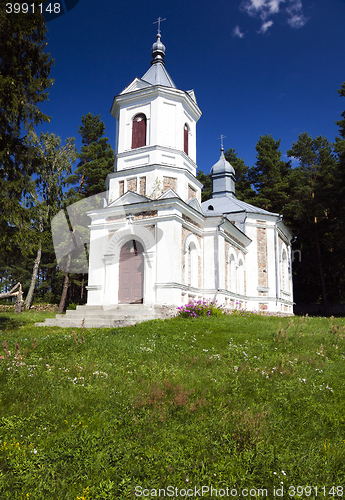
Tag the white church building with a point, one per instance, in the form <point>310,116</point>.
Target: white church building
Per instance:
<point>155,246</point>
<point>155,243</point>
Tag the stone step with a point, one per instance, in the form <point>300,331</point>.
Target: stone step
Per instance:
<point>112,317</point>
<point>114,308</point>
<point>89,323</point>
<point>118,315</point>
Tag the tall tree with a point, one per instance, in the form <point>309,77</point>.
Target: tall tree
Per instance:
<point>24,83</point>
<point>96,158</point>
<point>270,175</point>
<point>340,141</point>
<point>313,211</point>
<point>339,148</point>
<point>55,163</point>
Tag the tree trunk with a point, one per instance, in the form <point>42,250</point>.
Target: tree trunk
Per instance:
<point>18,308</point>
<point>65,286</point>
<point>33,278</point>
<point>322,276</point>
<point>11,293</point>
<point>82,289</point>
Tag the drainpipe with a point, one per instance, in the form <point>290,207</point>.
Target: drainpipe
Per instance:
<point>276,255</point>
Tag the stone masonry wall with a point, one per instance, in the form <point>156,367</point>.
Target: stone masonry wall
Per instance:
<point>191,192</point>
<point>169,182</point>
<point>142,186</point>
<point>132,185</point>
<point>262,256</point>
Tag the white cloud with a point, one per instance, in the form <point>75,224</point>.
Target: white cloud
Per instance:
<point>296,17</point>
<point>237,32</point>
<point>265,9</point>
<point>261,8</point>
<point>265,26</point>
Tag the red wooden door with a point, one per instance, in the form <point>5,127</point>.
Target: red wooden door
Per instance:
<point>139,131</point>
<point>131,273</point>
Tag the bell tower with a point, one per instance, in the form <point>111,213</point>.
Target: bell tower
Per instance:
<point>155,134</point>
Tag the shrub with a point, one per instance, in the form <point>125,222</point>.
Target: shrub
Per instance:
<point>201,307</point>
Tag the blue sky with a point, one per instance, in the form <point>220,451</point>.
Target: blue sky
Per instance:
<point>257,66</point>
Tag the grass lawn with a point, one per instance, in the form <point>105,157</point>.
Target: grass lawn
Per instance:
<point>232,403</point>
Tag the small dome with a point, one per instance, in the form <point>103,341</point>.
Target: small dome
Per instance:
<point>158,51</point>
<point>222,165</point>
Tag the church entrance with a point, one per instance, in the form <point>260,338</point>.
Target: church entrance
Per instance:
<point>131,273</point>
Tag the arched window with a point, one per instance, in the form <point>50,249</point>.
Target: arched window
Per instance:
<point>240,277</point>
<point>192,265</point>
<point>185,138</point>
<point>139,131</point>
<point>232,274</point>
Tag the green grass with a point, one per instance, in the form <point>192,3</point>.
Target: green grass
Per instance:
<point>228,401</point>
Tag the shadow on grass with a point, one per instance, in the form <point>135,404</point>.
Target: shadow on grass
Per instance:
<point>7,322</point>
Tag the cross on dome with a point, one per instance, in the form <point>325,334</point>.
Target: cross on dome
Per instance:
<point>158,49</point>
<point>159,20</point>
<point>221,141</point>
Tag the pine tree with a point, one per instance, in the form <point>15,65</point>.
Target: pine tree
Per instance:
<point>339,194</point>
<point>96,158</point>
<point>24,82</point>
<point>340,141</point>
<point>313,213</point>
<point>270,175</point>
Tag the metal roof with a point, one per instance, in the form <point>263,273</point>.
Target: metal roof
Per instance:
<point>225,205</point>
<point>222,165</point>
<point>158,75</point>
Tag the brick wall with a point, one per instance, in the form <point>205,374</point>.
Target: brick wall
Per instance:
<point>132,185</point>
<point>121,187</point>
<point>142,186</point>
<point>191,192</point>
<point>169,182</point>
<point>262,256</point>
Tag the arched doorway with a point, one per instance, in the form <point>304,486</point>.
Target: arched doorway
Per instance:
<point>131,273</point>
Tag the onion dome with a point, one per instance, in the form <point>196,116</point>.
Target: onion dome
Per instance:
<point>223,178</point>
<point>222,165</point>
<point>158,51</point>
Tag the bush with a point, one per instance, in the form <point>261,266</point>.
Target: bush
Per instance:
<point>198,308</point>
<point>72,306</point>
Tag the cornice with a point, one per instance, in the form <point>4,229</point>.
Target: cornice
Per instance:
<point>154,91</point>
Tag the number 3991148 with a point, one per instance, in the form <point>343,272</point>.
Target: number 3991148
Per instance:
<point>24,8</point>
